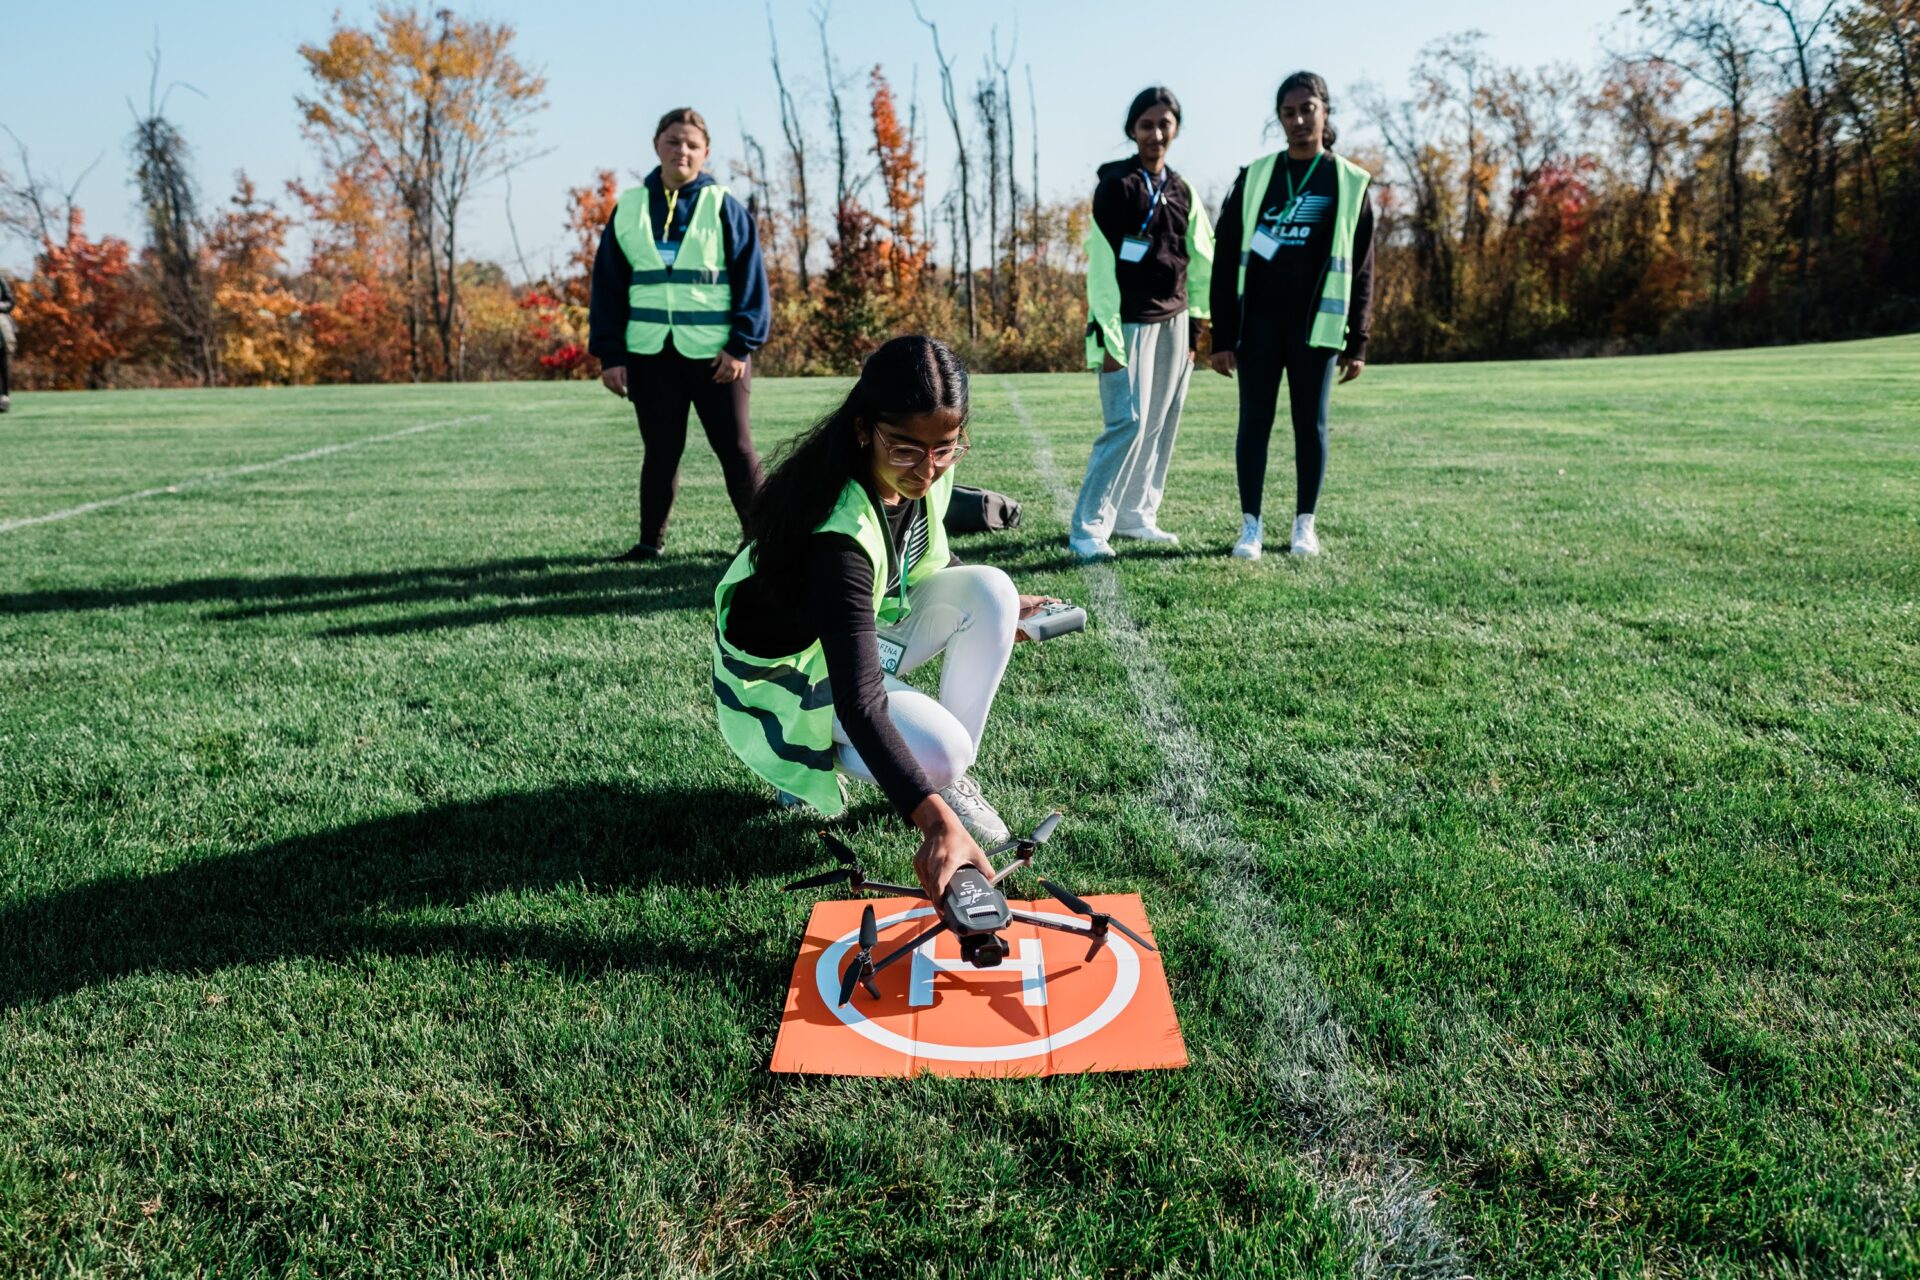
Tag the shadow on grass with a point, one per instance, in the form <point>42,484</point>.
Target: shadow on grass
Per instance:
<point>338,893</point>
<point>533,586</point>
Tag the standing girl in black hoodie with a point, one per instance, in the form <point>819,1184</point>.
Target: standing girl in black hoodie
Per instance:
<point>1149,260</point>
<point>1299,302</point>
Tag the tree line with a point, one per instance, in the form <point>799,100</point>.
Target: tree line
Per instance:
<point>1736,172</point>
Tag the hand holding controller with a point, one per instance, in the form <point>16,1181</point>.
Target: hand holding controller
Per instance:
<point>1054,618</point>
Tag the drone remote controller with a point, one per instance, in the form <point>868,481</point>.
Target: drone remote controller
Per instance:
<point>1055,619</point>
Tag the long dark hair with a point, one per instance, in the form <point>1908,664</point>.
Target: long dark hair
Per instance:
<point>1147,99</point>
<point>1318,88</point>
<point>905,378</point>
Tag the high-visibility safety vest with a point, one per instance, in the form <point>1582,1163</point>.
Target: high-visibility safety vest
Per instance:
<point>1104,335</point>
<point>1330,317</point>
<point>777,714</point>
<point>690,300</point>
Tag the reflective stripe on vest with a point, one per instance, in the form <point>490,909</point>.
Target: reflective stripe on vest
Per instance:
<point>777,714</point>
<point>1330,316</point>
<point>1104,334</point>
<point>692,300</point>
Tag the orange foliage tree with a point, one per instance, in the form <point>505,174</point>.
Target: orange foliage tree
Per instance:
<point>84,312</point>
<point>904,186</point>
<point>259,329</point>
<point>589,209</point>
<point>430,112</point>
<point>355,301</point>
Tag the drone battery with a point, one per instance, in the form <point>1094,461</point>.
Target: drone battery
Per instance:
<point>1057,619</point>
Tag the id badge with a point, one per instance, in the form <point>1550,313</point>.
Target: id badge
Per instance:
<point>1134,248</point>
<point>890,655</point>
<point>669,250</point>
<point>1264,243</point>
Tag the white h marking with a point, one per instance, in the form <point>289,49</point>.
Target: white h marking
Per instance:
<point>1032,966</point>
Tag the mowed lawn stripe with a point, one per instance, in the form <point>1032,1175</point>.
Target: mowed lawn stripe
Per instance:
<point>252,468</point>
<point>1298,1042</point>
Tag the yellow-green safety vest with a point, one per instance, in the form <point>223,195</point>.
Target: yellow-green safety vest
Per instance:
<point>1104,335</point>
<point>777,714</point>
<point>691,300</point>
<point>1330,317</point>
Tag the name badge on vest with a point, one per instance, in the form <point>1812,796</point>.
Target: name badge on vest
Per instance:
<point>890,655</point>
<point>669,250</point>
<point>1264,242</point>
<point>1134,248</point>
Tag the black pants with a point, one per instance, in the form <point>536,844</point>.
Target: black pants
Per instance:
<point>6,355</point>
<point>1269,348</point>
<point>663,387</point>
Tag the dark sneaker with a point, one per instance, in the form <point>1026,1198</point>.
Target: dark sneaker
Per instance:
<point>637,552</point>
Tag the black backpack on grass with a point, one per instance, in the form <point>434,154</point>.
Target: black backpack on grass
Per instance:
<point>981,511</point>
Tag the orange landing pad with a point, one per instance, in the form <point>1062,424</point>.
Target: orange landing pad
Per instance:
<point>1046,1010</point>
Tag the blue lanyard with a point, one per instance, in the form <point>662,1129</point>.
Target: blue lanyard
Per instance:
<point>1154,205</point>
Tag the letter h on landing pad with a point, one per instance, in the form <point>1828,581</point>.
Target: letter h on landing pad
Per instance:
<point>1031,964</point>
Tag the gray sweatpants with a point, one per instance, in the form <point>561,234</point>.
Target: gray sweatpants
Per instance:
<point>1127,472</point>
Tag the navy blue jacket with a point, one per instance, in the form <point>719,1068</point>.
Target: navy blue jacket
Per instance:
<point>746,274</point>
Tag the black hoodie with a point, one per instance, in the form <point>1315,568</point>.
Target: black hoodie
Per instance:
<point>1155,288</point>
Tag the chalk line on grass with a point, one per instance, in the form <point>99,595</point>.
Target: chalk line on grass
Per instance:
<point>228,473</point>
<point>1301,1049</point>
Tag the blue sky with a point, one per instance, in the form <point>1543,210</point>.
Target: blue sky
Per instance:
<point>612,68</point>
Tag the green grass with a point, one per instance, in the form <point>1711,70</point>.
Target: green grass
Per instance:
<point>376,896</point>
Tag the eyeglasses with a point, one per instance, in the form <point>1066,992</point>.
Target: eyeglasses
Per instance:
<point>909,455</point>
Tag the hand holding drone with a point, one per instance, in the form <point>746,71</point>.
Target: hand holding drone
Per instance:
<point>973,908</point>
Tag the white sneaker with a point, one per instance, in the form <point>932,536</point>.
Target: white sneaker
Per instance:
<point>1305,543</point>
<point>1087,549</point>
<point>975,814</point>
<point>1149,533</point>
<point>1248,548</point>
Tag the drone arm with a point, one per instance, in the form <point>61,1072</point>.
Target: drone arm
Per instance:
<point>910,944</point>
<point>897,890</point>
<point>1041,922</point>
<point>1025,859</point>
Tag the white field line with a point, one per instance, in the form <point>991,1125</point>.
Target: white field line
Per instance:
<point>1301,1048</point>
<point>212,477</point>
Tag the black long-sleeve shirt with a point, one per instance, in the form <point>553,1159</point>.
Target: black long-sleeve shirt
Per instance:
<point>832,602</point>
<point>746,274</point>
<point>1287,285</point>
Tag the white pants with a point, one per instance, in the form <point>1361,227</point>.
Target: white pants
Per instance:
<point>1127,472</point>
<point>968,612</point>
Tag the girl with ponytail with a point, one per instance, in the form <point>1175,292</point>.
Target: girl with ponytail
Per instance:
<point>845,583</point>
<point>1300,302</point>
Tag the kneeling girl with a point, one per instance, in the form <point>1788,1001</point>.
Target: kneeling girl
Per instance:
<point>847,583</point>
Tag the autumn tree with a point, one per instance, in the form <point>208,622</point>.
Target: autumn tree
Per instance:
<point>355,292</point>
<point>589,209</point>
<point>260,330</point>
<point>84,312</point>
<point>432,109</point>
<point>903,186</point>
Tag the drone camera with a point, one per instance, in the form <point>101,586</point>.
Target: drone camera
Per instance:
<point>983,950</point>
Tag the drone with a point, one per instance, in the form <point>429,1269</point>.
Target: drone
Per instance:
<point>972,908</point>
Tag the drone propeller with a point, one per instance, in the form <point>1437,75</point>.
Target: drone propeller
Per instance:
<point>1025,846</point>
<point>1101,920</point>
<point>1045,829</point>
<point>860,969</point>
<point>839,847</point>
<point>825,877</point>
